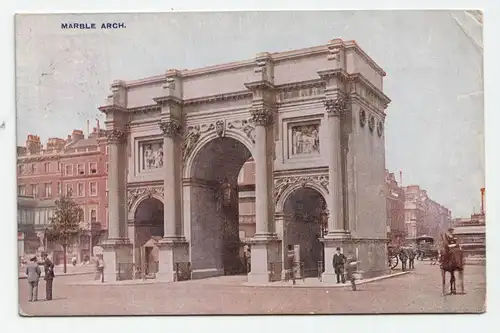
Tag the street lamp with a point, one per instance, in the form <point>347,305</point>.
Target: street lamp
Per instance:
<point>324,222</point>
<point>226,192</point>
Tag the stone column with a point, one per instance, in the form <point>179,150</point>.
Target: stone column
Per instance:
<point>115,140</point>
<point>335,109</point>
<point>337,233</point>
<point>265,248</point>
<point>173,246</point>
<point>117,248</point>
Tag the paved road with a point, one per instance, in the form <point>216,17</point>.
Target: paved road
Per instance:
<point>416,292</point>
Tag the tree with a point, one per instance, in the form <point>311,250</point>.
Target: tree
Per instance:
<point>65,224</point>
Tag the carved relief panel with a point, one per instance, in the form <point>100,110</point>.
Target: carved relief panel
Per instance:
<point>150,155</point>
<point>304,139</point>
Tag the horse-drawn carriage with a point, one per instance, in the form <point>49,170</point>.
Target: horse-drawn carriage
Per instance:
<point>426,248</point>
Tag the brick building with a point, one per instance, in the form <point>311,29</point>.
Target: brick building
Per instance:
<point>75,166</point>
<point>396,228</point>
<point>424,216</point>
<point>471,232</point>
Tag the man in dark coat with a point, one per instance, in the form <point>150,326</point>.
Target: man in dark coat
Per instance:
<point>33,273</point>
<point>49,276</point>
<point>338,265</point>
<point>403,256</point>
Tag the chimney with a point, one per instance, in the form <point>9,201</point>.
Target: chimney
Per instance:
<point>77,135</point>
<point>482,201</point>
<point>401,178</point>
<point>33,144</point>
<point>88,128</point>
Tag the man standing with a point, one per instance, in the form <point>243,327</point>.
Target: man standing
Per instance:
<point>291,263</point>
<point>351,265</point>
<point>100,267</point>
<point>49,276</point>
<point>338,265</point>
<point>33,273</point>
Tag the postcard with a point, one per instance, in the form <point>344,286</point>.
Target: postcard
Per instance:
<point>287,162</point>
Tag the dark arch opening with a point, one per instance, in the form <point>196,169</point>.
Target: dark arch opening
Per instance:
<point>215,242</point>
<point>304,221</point>
<point>148,224</point>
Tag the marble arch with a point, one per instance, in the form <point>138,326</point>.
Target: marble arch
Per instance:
<point>299,113</point>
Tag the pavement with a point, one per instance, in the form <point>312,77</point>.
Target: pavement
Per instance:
<point>419,291</point>
<point>59,270</point>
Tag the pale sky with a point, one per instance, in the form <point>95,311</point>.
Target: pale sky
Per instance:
<point>434,125</point>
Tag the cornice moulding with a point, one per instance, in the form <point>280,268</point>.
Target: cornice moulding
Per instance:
<point>319,171</point>
<point>250,63</point>
<point>219,97</point>
<point>358,77</point>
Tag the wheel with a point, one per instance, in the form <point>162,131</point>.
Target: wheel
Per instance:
<point>393,261</point>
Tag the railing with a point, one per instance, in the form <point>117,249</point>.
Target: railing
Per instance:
<point>182,271</point>
<point>295,272</point>
<point>126,271</point>
<point>130,271</point>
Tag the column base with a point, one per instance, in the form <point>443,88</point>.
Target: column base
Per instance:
<point>118,259</point>
<point>265,259</point>
<point>173,254</point>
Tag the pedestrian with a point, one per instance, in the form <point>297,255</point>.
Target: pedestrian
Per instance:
<point>338,263</point>
<point>403,256</point>
<point>351,265</point>
<point>73,261</point>
<point>33,273</point>
<point>291,263</point>
<point>100,267</point>
<point>49,276</point>
<point>411,258</point>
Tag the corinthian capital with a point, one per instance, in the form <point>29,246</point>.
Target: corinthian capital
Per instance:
<point>262,116</point>
<point>336,107</point>
<point>170,128</point>
<point>115,136</point>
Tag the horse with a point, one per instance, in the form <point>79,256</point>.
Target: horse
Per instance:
<point>450,261</point>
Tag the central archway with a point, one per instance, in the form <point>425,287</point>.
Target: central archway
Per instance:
<point>214,232</point>
<point>304,221</point>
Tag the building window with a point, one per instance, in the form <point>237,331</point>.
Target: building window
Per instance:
<point>69,170</point>
<point>46,167</point>
<point>93,168</point>
<point>33,168</point>
<point>107,167</point>
<point>81,189</point>
<point>107,150</point>
<point>59,189</point>
<point>34,190</point>
<point>80,170</point>
<point>21,190</point>
<point>93,189</point>
<point>93,215</point>
<point>20,169</point>
<point>48,190</point>
<point>59,166</point>
<point>69,190</point>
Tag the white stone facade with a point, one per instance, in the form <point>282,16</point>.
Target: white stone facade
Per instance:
<point>311,118</point>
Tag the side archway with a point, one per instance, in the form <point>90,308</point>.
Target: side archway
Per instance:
<point>148,224</point>
<point>304,223</point>
<point>289,190</point>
